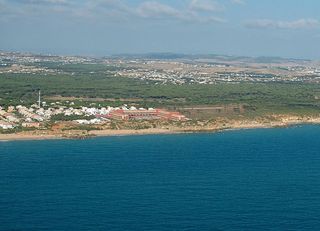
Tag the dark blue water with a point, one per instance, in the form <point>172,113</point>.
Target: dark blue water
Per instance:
<point>240,180</point>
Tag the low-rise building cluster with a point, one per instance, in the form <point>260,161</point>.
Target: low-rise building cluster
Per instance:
<point>146,114</point>
<point>35,117</point>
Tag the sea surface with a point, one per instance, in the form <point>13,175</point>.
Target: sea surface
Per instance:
<point>264,179</point>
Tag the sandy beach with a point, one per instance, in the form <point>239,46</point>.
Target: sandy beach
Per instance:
<point>23,136</point>
<point>48,136</point>
<point>282,121</point>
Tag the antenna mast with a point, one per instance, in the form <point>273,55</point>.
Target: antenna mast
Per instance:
<point>39,100</point>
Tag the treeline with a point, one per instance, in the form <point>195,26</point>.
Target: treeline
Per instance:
<point>18,88</point>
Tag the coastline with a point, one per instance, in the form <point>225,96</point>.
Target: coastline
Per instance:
<point>211,128</point>
<point>22,136</point>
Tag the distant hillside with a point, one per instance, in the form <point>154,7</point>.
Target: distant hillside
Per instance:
<point>217,57</point>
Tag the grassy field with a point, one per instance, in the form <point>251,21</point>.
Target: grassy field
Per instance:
<point>260,98</point>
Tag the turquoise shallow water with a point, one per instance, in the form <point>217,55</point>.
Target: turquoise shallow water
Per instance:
<point>239,180</point>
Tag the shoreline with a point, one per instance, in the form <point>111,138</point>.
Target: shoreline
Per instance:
<point>238,125</point>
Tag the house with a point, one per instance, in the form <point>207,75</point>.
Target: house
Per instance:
<point>31,125</point>
<point>5,125</point>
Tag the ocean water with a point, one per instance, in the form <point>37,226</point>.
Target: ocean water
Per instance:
<point>264,179</point>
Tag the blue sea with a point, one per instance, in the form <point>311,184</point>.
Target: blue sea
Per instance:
<point>264,179</point>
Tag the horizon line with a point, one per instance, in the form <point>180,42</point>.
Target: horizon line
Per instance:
<point>157,53</point>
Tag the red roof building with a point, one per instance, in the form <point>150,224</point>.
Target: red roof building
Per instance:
<point>146,115</point>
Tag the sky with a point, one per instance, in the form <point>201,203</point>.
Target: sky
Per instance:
<point>284,28</point>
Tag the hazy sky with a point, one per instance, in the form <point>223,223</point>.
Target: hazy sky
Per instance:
<point>288,28</point>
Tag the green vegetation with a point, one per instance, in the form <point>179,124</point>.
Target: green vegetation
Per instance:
<point>16,130</point>
<point>260,98</point>
<point>61,117</point>
<point>82,128</point>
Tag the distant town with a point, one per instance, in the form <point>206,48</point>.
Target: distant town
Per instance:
<point>162,69</point>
